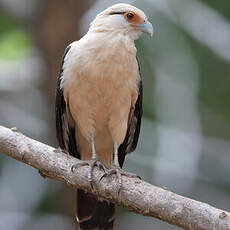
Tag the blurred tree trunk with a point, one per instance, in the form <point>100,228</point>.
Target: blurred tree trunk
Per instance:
<point>54,27</point>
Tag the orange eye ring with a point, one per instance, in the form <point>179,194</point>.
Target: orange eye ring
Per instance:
<point>133,18</point>
<point>130,15</point>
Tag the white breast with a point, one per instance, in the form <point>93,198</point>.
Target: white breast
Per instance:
<point>100,84</point>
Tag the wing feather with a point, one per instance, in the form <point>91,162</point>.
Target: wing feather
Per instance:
<point>65,127</point>
<point>134,125</point>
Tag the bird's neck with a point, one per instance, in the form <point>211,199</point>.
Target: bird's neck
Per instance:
<point>114,41</point>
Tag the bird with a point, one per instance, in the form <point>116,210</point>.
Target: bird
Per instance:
<point>99,103</point>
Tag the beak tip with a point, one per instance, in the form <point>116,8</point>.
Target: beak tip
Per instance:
<point>150,29</point>
<point>146,28</point>
<point>151,33</point>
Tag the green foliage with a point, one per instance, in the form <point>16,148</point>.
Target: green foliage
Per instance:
<point>14,44</point>
<point>7,23</point>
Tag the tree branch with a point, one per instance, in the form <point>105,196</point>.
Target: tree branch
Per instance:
<point>136,195</point>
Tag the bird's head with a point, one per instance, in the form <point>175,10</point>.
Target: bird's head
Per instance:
<point>122,18</point>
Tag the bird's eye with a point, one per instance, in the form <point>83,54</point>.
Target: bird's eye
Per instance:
<point>130,16</point>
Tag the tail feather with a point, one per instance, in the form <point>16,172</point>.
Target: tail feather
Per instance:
<point>93,214</point>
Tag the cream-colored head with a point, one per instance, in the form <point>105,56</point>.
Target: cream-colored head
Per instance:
<point>122,18</point>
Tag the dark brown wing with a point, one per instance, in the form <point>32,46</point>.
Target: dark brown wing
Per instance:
<point>133,131</point>
<point>65,127</point>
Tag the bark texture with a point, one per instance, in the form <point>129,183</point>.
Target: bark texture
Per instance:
<point>136,195</point>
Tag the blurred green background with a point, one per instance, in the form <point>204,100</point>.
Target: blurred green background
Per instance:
<point>185,136</point>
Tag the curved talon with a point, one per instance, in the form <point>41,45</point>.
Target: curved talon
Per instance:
<point>101,166</point>
<point>103,176</point>
<point>119,172</point>
<point>119,190</point>
<point>132,175</point>
<point>92,163</point>
<point>73,168</point>
<point>91,184</point>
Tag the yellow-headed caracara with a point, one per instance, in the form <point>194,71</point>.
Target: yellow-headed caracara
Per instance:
<point>99,102</point>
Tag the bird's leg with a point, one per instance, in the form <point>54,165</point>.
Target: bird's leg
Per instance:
<point>92,163</point>
<point>116,169</point>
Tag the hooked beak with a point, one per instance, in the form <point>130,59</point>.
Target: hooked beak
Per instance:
<point>145,28</point>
